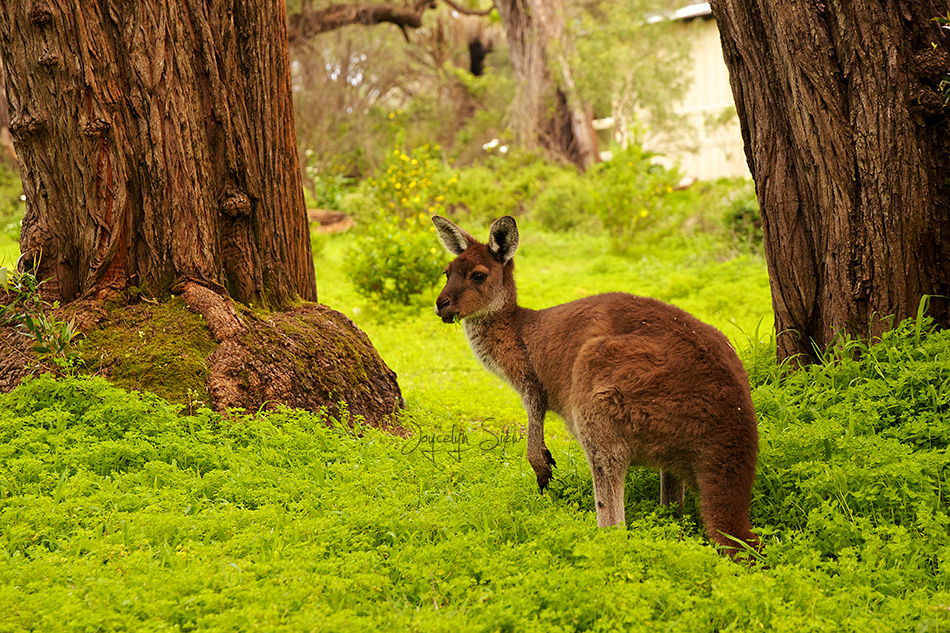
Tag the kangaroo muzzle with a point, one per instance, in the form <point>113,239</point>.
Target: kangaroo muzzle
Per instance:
<point>443,307</point>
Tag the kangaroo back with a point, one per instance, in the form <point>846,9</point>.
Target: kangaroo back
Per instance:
<point>637,381</point>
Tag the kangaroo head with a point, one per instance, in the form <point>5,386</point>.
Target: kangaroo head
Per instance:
<point>480,280</point>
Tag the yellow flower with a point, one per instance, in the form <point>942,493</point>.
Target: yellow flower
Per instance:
<point>669,189</point>
<point>392,115</point>
<point>412,184</point>
<point>644,213</point>
<point>398,185</point>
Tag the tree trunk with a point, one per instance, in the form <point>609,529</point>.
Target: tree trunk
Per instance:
<point>547,112</point>
<point>845,125</point>
<point>157,146</point>
<point>158,156</point>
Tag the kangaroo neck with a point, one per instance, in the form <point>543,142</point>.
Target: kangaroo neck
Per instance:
<point>496,339</point>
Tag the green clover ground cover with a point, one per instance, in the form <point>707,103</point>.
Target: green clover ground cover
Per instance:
<point>118,512</point>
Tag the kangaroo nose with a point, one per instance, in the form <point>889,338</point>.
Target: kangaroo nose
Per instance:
<point>441,304</point>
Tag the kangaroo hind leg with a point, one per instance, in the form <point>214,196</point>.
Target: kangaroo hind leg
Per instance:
<point>608,467</point>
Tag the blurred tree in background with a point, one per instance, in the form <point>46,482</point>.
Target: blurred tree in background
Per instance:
<point>452,69</point>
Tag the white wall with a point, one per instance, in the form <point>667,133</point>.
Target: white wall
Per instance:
<point>710,151</point>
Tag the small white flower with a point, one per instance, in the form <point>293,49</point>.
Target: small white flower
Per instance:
<point>23,198</point>
<point>503,149</point>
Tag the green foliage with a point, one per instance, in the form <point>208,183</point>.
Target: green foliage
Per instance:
<point>12,205</point>
<point>628,194</point>
<point>626,197</point>
<point>116,508</point>
<point>512,184</point>
<point>326,184</point>
<point>564,204</point>
<point>393,261</point>
<point>855,458</point>
<point>25,308</point>
<point>628,66</point>
<point>395,256</point>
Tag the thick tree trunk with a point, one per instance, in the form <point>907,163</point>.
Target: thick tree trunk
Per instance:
<point>546,111</point>
<point>846,134</point>
<point>158,156</point>
<point>157,146</point>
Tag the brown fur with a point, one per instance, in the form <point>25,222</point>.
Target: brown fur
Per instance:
<point>637,381</point>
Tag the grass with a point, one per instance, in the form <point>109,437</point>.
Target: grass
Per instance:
<point>120,512</point>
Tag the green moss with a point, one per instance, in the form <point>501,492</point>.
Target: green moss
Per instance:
<point>158,348</point>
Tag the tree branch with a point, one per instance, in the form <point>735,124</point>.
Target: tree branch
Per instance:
<point>306,24</point>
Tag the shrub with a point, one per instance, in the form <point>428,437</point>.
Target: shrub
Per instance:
<point>628,194</point>
<point>395,255</point>
<point>505,185</point>
<point>392,260</point>
<point>565,204</point>
<point>328,184</point>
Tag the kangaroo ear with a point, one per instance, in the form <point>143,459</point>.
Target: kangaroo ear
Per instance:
<point>503,238</point>
<point>454,239</point>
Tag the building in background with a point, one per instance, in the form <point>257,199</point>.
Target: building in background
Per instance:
<point>711,145</point>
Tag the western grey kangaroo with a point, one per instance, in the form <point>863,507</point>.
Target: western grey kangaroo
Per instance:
<point>636,380</point>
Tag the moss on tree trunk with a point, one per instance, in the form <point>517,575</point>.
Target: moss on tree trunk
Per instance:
<point>201,349</point>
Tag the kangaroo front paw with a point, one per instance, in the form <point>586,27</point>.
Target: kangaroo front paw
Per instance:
<point>544,477</point>
<point>543,470</point>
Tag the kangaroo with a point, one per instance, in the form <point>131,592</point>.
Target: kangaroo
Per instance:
<point>637,381</point>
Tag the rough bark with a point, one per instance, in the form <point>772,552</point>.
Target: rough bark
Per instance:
<point>157,152</point>
<point>157,145</point>
<point>547,112</point>
<point>846,135</point>
<point>309,357</point>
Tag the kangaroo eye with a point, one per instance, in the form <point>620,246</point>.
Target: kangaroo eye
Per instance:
<point>479,277</point>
